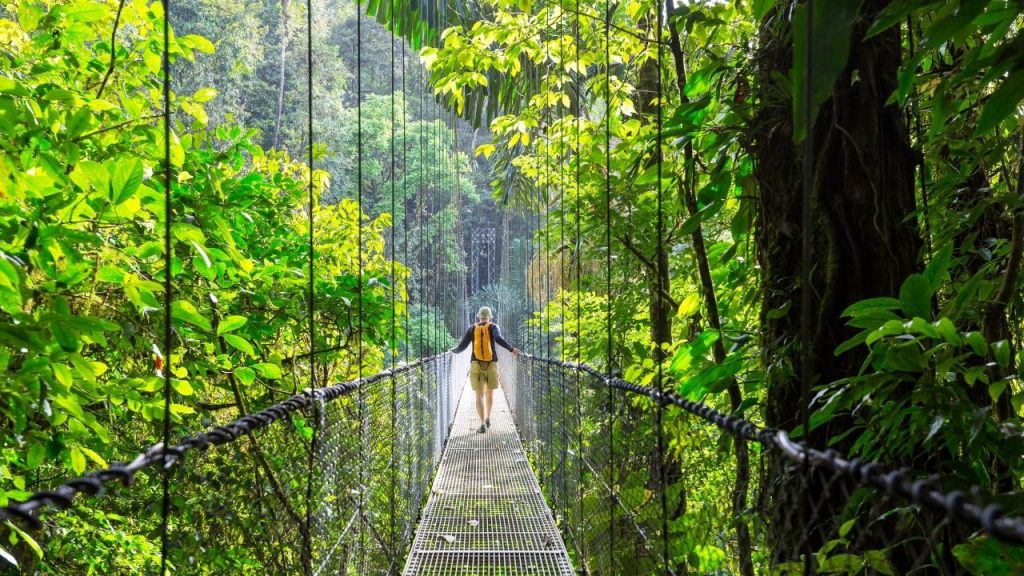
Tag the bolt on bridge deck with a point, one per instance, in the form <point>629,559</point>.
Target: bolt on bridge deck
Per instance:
<point>486,515</point>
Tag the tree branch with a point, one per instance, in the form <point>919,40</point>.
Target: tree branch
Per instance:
<point>113,50</point>
<point>628,243</point>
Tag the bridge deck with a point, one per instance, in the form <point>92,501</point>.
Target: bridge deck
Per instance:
<point>486,515</point>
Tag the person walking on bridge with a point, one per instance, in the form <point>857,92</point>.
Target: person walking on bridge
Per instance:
<point>483,371</point>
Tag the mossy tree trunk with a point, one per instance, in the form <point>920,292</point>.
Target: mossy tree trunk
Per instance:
<point>864,244</point>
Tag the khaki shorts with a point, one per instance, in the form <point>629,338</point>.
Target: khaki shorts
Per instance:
<point>483,373</point>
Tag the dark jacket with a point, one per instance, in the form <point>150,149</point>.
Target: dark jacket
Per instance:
<point>496,338</point>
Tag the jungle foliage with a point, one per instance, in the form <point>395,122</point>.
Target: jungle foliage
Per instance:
<point>916,189</point>
<point>82,255</point>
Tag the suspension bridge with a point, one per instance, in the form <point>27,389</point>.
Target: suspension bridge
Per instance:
<point>581,471</point>
<point>543,491</point>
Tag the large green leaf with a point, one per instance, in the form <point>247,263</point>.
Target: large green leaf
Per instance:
<point>831,29</point>
<point>1004,101</point>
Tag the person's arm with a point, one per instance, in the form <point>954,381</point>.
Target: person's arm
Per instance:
<point>466,339</point>
<point>496,336</point>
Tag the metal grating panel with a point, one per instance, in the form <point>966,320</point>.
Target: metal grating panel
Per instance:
<point>489,564</point>
<point>486,515</point>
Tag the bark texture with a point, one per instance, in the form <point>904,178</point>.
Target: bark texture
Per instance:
<point>864,244</point>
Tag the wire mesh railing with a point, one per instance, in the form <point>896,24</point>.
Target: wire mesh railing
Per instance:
<point>329,481</point>
<point>591,439</point>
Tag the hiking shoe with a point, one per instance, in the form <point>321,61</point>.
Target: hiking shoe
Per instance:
<point>488,422</point>
<point>481,429</point>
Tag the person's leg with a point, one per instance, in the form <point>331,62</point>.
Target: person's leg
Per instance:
<point>492,384</point>
<point>479,383</point>
<point>481,409</point>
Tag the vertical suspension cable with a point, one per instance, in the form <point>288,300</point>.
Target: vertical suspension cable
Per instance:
<point>405,205</point>
<point>577,36</point>
<point>562,292</point>
<point>359,282</point>
<point>434,200</point>
<point>394,307</point>
<point>546,253</point>
<point>420,330</point>
<point>608,271</point>
<point>307,542</point>
<point>165,480</point>
<point>806,241</point>
<point>805,219</point>
<point>662,272</point>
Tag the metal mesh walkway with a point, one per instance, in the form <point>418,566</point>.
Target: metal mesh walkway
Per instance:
<point>486,515</point>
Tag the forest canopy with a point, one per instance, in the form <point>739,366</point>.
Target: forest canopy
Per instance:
<point>644,168</point>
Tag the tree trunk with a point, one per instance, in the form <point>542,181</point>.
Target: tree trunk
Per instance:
<point>285,33</point>
<point>864,244</point>
<point>688,200</point>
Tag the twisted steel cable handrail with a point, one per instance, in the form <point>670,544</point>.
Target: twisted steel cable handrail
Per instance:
<point>62,497</point>
<point>954,505</point>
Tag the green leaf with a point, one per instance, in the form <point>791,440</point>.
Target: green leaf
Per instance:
<point>871,305</point>
<point>893,14</point>
<point>230,324</point>
<point>186,312</point>
<point>198,43</point>
<point>689,306</point>
<point>86,11</point>
<point>938,268</point>
<point>268,371</point>
<point>985,556</point>
<point>96,458</point>
<point>77,460</point>
<point>977,342</point>
<point>239,343</point>
<point>63,374</point>
<point>112,275</point>
<point>760,8</point>
<point>204,95</point>
<point>1001,352</point>
<point>245,375</point>
<point>181,386</point>
<point>829,49</point>
<point>26,538</point>
<point>996,389</point>
<point>125,180</point>
<point>948,331</point>
<point>916,297</point>
<point>1002,103</point>
<point>36,454</point>
<point>780,312</point>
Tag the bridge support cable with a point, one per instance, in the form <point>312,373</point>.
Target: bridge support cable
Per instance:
<point>893,521</point>
<point>253,477</point>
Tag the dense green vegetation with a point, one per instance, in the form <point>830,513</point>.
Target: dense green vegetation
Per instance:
<point>601,125</point>
<point>81,249</point>
<point>915,326</point>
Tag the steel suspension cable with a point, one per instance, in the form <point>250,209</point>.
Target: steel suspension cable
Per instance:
<point>562,292</point>
<point>394,306</point>
<point>166,359</point>
<point>578,119</point>
<point>359,284</point>
<point>662,288</point>
<point>405,207</point>
<point>806,245</point>
<point>420,332</point>
<point>307,542</point>
<point>608,262</point>
<point>546,252</point>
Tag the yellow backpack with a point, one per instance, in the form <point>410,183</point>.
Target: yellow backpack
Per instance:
<point>482,349</point>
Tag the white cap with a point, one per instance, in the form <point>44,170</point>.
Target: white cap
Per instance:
<point>484,313</point>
